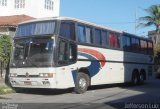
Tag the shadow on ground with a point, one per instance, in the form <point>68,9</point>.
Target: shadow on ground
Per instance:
<point>71,90</point>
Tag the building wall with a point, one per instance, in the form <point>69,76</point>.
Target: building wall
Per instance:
<point>4,30</point>
<point>7,31</point>
<point>33,8</point>
<point>154,36</point>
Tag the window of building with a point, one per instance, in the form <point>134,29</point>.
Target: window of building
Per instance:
<point>67,30</point>
<point>12,29</point>
<point>3,2</point>
<point>104,38</point>
<point>49,4</point>
<point>19,4</point>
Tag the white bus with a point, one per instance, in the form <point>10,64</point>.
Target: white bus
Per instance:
<point>62,52</point>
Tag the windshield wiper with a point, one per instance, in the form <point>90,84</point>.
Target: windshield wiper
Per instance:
<point>29,60</point>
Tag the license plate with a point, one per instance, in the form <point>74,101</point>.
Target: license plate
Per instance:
<point>27,83</point>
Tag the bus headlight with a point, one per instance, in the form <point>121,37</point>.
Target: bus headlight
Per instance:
<point>13,74</point>
<point>46,75</point>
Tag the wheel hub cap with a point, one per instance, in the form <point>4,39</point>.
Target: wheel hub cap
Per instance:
<point>82,83</point>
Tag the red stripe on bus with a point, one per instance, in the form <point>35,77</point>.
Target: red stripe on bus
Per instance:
<point>95,53</point>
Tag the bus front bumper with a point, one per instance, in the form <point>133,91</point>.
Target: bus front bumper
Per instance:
<point>33,82</point>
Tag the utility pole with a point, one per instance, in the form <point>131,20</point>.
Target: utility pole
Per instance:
<point>136,21</point>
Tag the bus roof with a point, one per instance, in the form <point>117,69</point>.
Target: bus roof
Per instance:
<point>83,22</point>
<point>71,19</point>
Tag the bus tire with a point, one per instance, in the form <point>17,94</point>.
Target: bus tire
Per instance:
<point>135,78</point>
<point>82,83</point>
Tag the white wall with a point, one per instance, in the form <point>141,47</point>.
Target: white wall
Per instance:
<point>34,8</point>
<point>4,30</point>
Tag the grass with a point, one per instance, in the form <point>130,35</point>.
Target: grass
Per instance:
<point>6,90</point>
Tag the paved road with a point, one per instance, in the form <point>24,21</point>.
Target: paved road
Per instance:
<point>102,97</point>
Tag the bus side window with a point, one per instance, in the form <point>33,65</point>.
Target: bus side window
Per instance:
<point>143,46</point>
<point>72,52</point>
<point>89,35</point>
<point>126,43</point>
<point>81,34</point>
<point>117,41</point>
<point>150,48</point>
<point>62,54</point>
<point>111,40</point>
<point>67,30</point>
<point>98,37</point>
<point>135,44</point>
<point>104,38</point>
<point>114,40</point>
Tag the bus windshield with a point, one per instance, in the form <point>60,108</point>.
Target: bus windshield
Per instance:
<point>33,52</point>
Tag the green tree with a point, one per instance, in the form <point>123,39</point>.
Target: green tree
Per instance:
<point>5,53</point>
<point>152,19</point>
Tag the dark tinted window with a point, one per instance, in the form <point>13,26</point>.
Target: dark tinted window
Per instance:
<point>81,34</point>
<point>126,43</point>
<point>67,52</point>
<point>143,46</point>
<point>72,52</point>
<point>104,38</point>
<point>98,37</point>
<point>62,55</point>
<point>12,29</point>
<point>67,30</point>
<point>150,48</point>
<point>84,34</point>
<point>135,44</point>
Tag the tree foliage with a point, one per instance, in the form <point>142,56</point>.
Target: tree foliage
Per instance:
<point>5,52</point>
<point>152,19</point>
<point>157,50</point>
<point>157,56</point>
<point>5,48</point>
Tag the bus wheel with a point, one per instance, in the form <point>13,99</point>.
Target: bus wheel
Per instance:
<point>82,83</point>
<point>135,78</point>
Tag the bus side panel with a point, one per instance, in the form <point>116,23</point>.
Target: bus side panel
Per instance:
<point>103,68</point>
<point>111,66</point>
<point>66,75</point>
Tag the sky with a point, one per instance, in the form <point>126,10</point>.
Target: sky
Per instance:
<point>116,14</point>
